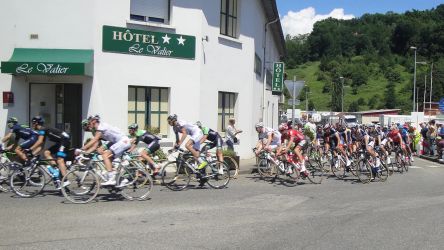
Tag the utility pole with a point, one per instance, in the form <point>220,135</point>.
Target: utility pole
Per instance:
<point>294,100</point>
<point>414,79</point>
<point>431,86</point>
<point>425,90</point>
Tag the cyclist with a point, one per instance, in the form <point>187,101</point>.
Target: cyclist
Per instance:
<point>294,140</point>
<point>333,140</point>
<point>406,140</point>
<point>310,130</point>
<point>395,136</point>
<point>214,138</point>
<point>23,132</point>
<point>137,135</point>
<point>120,143</point>
<point>59,149</point>
<point>272,137</point>
<point>193,145</point>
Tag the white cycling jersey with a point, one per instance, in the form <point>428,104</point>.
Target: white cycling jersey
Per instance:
<point>266,132</point>
<point>110,133</point>
<point>192,130</point>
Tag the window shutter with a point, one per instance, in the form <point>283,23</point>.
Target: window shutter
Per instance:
<point>150,8</point>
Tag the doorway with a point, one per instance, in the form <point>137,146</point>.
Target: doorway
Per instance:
<point>60,105</point>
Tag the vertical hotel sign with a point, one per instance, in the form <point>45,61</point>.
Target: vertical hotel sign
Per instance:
<point>148,43</point>
<point>278,77</point>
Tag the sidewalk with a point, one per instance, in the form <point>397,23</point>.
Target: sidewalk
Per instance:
<point>430,158</point>
<point>247,166</point>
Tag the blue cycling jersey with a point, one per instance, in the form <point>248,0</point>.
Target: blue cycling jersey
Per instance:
<point>22,132</point>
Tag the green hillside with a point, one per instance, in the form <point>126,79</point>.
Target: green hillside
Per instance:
<point>374,56</point>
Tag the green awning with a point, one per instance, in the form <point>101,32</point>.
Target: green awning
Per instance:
<point>26,61</point>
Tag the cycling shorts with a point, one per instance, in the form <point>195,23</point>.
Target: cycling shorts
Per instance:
<point>153,147</point>
<point>196,140</point>
<point>29,142</point>
<point>120,146</point>
<point>60,150</point>
<point>218,143</point>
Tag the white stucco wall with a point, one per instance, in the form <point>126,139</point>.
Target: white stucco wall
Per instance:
<point>221,64</point>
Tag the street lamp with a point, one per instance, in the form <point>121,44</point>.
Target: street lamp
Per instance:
<point>342,94</point>
<point>414,79</point>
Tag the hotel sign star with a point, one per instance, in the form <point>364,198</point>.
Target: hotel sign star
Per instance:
<point>166,39</point>
<point>181,40</point>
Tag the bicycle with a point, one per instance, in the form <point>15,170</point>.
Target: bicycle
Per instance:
<point>30,180</point>
<point>133,182</point>
<point>400,160</point>
<point>176,175</point>
<point>289,172</point>
<point>7,163</point>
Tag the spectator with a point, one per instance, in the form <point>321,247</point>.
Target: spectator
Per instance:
<point>431,136</point>
<point>231,133</point>
<point>423,132</point>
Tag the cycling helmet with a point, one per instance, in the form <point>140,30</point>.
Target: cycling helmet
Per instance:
<point>199,124</point>
<point>12,120</point>
<point>283,127</point>
<point>133,126</point>
<point>38,120</point>
<point>327,126</point>
<point>85,123</point>
<point>172,117</point>
<point>259,125</point>
<point>94,117</point>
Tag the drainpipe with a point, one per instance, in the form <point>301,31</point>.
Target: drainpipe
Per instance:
<point>264,70</point>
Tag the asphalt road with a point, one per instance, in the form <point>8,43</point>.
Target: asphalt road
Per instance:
<point>406,212</point>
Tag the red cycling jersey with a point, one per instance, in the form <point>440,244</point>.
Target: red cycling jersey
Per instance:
<point>394,135</point>
<point>297,136</point>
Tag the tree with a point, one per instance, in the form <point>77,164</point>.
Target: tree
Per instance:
<point>311,105</point>
<point>353,107</point>
<point>390,96</point>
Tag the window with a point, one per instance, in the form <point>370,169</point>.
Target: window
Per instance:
<point>148,107</point>
<point>228,17</point>
<point>226,109</point>
<point>150,11</point>
<point>257,65</point>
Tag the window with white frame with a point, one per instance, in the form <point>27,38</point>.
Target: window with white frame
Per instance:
<point>148,107</point>
<point>227,103</point>
<point>150,11</point>
<point>228,18</point>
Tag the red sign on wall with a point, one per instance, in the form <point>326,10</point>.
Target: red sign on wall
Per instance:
<point>8,97</point>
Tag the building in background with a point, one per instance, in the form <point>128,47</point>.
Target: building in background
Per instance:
<point>139,60</point>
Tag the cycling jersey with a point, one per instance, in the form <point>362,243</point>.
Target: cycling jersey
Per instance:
<point>330,137</point>
<point>310,130</point>
<point>192,130</point>
<point>295,134</point>
<point>109,133</point>
<point>29,136</point>
<point>54,135</point>
<point>151,141</point>
<point>394,135</point>
<point>213,137</point>
<point>23,132</point>
<point>265,132</point>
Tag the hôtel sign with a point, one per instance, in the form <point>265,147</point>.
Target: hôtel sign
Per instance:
<point>148,43</point>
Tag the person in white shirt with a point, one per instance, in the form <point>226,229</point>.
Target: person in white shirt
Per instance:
<point>273,137</point>
<point>119,143</point>
<point>230,134</point>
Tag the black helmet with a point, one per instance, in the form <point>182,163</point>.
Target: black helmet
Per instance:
<point>172,117</point>
<point>12,121</point>
<point>133,126</point>
<point>38,120</point>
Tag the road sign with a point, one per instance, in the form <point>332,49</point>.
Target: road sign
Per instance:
<point>297,102</point>
<point>298,85</point>
<point>278,77</point>
<point>441,105</point>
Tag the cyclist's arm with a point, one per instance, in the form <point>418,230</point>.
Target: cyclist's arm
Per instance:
<point>338,138</point>
<point>184,133</point>
<point>7,137</point>
<point>93,143</point>
<point>270,137</point>
<point>38,143</point>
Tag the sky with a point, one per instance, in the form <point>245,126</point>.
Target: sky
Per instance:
<point>298,16</point>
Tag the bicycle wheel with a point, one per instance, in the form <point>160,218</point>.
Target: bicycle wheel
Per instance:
<point>288,179</point>
<point>175,176</point>
<point>265,168</point>
<point>4,177</point>
<point>363,171</point>
<point>84,185</point>
<point>401,164</point>
<point>217,174</point>
<point>28,182</point>
<point>135,183</point>
<point>316,171</point>
<point>233,166</point>
<point>383,173</point>
<point>338,169</point>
